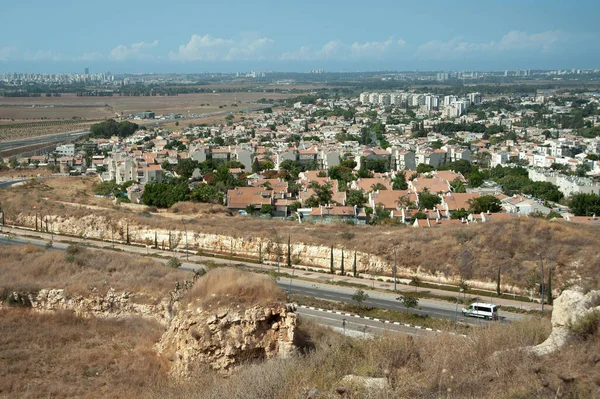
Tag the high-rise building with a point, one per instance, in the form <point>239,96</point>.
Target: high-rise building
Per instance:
<point>87,71</point>
<point>475,98</point>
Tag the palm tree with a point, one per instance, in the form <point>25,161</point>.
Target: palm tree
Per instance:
<point>404,202</point>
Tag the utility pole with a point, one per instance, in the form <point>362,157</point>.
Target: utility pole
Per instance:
<point>456,310</point>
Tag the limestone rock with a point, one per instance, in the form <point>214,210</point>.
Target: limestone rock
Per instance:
<point>368,383</point>
<point>227,337</point>
<point>567,310</point>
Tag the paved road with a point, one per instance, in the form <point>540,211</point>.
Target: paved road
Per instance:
<point>9,182</point>
<point>319,290</point>
<point>47,139</point>
<point>358,327</point>
<point>349,324</point>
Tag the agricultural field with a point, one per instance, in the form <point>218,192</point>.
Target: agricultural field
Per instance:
<point>33,117</point>
<point>69,105</point>
<point>21,130</point>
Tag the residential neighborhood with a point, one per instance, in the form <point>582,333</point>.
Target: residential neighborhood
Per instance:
<point>404,157</point>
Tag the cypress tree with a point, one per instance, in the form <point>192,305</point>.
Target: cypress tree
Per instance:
<point>127,237</point>
<point>354,266</point>
<point>289,253</point>
<point>331,269</point>
<point>342,265</point>
<point>260,252</point>
<point>498,283</point>
<point>549,287</point>
<point>155,240</point>
<point>36,222</point>
<point>170,242</point>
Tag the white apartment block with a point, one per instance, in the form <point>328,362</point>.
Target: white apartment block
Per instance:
<point>66,150</point>
<point>384,99</point>
<point>567,185</point>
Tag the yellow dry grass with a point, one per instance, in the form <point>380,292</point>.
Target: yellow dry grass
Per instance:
<point>228,286</point>
<point>59,355</point>
<point>83,271</point>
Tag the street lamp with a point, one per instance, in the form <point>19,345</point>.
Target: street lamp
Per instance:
<point>456,310</point>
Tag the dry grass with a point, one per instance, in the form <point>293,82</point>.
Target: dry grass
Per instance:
<point>61,356</point>
<point>29,269</point>
<point>471,252</point>
<point>227,286</point>
<point>15,131</point>
<point>25,109</point>
<point>437,366</point>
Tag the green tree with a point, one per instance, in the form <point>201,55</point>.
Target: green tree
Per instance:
<point>356,197</point>
<point>331,268</point>
<point>174,263</point>
<point>186,166</point>
<point>399,181</point>
<point>354,272</point>
<point>379,214</point>
<point>378,187</point>
<point>498,283</point>
<point>484,203</point>
<point>476,178</point>
<point>342,264</point>
<point>266,209</point>
<point>110,127</point>
<point>427,200</point>
<point>206,193</point>
<point>585,204</point>
<point>409,300</point>
<point>289,252</point>
<point>164,195</point>
<point>360,296</point>
<point>458,186</point>
<point>549,288</point>
<point>424,168</point>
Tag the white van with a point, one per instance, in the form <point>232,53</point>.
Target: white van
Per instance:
<point>484,310</point>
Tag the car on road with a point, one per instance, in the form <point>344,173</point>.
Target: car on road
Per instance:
<point>486,311</point>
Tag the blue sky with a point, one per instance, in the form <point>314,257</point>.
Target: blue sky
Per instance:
<point>129,36</point>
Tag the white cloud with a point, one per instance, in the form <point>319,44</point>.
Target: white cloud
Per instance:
<point>338,50</point>
<point>122,52</point>
<point>513,41</point>
<point>8,53</point>
<point>208,48</point>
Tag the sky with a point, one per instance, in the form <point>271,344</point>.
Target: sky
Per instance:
<point>131,36</point>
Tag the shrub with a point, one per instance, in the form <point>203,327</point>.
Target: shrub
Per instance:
<point>174,263</point>
<point>587,326</point>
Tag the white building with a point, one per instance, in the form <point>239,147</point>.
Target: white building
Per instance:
<point>66,150</point>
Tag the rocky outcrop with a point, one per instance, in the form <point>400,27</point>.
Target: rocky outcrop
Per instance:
<point>226,337</point>
<point>314,256</point>
<point>568,310</point>
<point>111,305</point>
<point>368,383</point>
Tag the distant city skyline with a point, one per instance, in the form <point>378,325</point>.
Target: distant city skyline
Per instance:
<point>190,37</point>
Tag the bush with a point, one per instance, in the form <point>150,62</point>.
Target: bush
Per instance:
<point>174,263</point>
<point>587,326</point>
